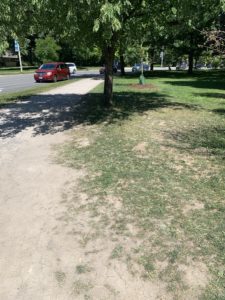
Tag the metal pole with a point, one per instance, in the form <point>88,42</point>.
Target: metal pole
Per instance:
<point>162,54</point>
<point>21,66</point>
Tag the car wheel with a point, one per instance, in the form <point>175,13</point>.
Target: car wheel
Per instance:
<point>55,78</point>
<point>37,81</point>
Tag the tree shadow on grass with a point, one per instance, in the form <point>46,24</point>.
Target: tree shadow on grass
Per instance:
<point>199,84</point>
<point>126,104</point>
<point>204,140</point>
<point>214,80</point>
<point>49,114</point>
<point>209,75</point>
<point>212,95</point>
<point>220,111</point>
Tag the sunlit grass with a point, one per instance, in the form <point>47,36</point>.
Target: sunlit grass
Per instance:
<point>161,152</point>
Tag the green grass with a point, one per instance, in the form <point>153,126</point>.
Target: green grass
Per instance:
<point>16,70</point>
<point>20,95</point>
<point>81,269</point>
<point>117,252</point>
<point>82,287</point>
<point>60,277</point>
<point>161,151</point>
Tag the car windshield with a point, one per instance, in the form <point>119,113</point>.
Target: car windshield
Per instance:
<point>47,67</point>
<point>71,65</point>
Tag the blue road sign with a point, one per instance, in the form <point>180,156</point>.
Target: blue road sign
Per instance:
<point>16,46</point>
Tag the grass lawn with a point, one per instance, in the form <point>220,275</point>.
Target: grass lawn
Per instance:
<point>155,178</point>
<point>16,70</point>
<point>15,96</point>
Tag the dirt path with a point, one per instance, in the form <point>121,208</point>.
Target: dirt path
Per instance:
<point>33,249</point>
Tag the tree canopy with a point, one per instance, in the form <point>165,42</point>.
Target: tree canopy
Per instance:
<point>113,25</point>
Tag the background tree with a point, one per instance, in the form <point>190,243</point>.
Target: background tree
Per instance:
<point>112,25</point>
<point>187,21</point>
<point>102,23</point>
<point>47,49</point>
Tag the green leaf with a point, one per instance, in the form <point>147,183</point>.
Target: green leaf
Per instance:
<point>96,25</point>
<point>174,10</point>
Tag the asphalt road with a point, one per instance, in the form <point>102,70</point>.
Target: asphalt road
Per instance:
<point>19,82</point>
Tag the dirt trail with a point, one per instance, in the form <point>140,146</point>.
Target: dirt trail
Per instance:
<point>31,188</point>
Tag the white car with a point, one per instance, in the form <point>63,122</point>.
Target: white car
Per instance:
<point>72,67</point>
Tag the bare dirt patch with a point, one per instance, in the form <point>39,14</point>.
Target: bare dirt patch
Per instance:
<point>148,86</point>
<point>140,148</point>
<point>196,277</point>
<point>109,275</point>
<point>192,206</point>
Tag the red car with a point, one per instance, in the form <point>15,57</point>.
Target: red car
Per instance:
<point>52,71</point>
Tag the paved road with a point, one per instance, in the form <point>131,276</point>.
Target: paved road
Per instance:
<point>19,82</point>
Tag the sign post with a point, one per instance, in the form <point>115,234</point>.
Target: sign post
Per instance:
<point>17,49</point>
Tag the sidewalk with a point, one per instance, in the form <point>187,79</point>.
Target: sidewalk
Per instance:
<point>79,87</point>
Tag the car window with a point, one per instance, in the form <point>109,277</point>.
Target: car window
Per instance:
<point>70,65</point>
<point>47,66</point>
<point>62,66</point>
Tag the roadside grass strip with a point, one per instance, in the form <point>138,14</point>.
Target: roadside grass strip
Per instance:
<point>21,95</point>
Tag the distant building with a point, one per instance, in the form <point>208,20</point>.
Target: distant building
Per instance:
<point>9,59</point>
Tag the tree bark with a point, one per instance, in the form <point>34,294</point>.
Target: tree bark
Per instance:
<point>152,55</point>
<point>122,65</point>
<point>191,56</point>
<point>108,85</point>
<point>191,61</point>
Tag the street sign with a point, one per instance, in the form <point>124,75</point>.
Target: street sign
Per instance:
<point>17,49</point>
<point>16,46</point>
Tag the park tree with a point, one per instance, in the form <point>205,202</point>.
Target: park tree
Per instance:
<point>104,24</point>
<point>47,49</point>
<point>188,21</point>
<point>109,21</point>
<point>101,23</point>
<point>215,38</point>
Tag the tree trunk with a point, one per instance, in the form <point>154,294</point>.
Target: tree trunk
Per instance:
<point>191,61</point>
<point>122,65</point>
<point>152,56</point>
<point>191,56</point>
<point>108,85</point>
